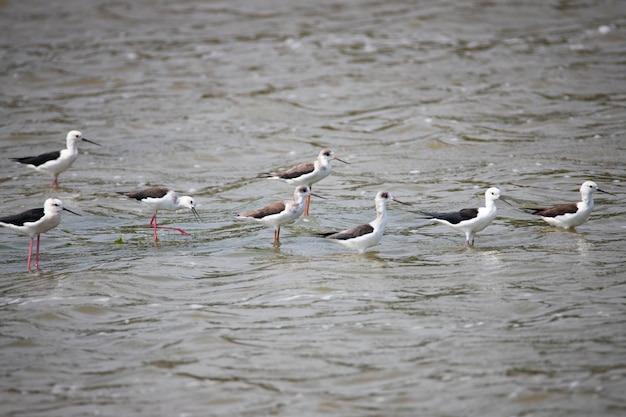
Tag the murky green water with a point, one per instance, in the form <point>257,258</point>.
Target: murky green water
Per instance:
<point>434,102</point>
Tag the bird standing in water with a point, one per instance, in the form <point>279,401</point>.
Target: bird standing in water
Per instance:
<point>162,198</point>
<point>307,173</point>
<point>280,212</point>
<point>364,236</point>
<point>568,216</point>
<point>34,222</point>
<point>56,162</point>
<point>470,220</point>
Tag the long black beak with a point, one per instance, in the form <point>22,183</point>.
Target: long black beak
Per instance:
<point>503,200</point>
<point>91,141</point>
<point>606,192</point>
<point>195,213</point>
<point>70,211</point>
<point>340,160</point>
<point>318,196</point>
<point>401,202</point>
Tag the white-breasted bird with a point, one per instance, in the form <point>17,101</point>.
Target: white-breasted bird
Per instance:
<point>364,236</point>
<point>163,198</point>
<point>34,222</point>
<point>55,162</point>
<point>570,215</point>
<point>281,212</point>
<point>307,173</point>
<point>470,220</point>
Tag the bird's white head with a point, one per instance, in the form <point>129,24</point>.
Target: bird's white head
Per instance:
<point>75,136</point>
<point>190,203</point>
<point>186,201</point>
<point>588,187</point>
<point>53,205</point>
<point>327,155</point>
<point>385,197</point>
<point>301,191</point>
<point>492,194</point>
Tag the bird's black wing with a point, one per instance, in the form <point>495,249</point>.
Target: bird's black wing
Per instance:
<point>39,159</point>
<point>154,192</point>
<point>268,210</point>
<point>31,215</point>
<point>350,233</point>
<point>294,172</point>
<point>454,217</point>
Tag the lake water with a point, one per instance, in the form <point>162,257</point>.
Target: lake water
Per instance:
<point>432,101</point>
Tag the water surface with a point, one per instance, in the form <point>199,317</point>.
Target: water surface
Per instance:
<point>434,102</point>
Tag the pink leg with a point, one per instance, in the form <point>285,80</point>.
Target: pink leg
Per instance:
<point>182,232</point>
<point>37,254</point>
<point>277,235</point>
<point>30,254</point>
<point>55,182</point>
<point>307,205</point>
<point>153,224</point>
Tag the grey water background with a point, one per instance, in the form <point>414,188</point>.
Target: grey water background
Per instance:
<point>432,101</point>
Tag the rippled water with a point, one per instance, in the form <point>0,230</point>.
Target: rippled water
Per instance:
<point>433,101</point>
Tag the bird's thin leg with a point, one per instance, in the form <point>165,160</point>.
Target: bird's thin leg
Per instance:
<point>308,203</point>
<point>277,236</point>
<point>37,253</point>
<point>153,224</point>
<point>178,229</point>
<point>30,254</point>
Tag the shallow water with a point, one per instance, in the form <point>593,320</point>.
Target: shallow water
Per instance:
<point>434,102</point>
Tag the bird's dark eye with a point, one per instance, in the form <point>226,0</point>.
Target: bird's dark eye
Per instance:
<point>385,195</point>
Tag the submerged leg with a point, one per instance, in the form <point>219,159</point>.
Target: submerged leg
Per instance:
<point>37,254</point>
<point>30,254</point>
<point>153,224</point>
<point>469,239</point>
<point>277,235</point>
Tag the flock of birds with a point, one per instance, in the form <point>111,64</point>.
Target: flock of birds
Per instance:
<point>470,221</point>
